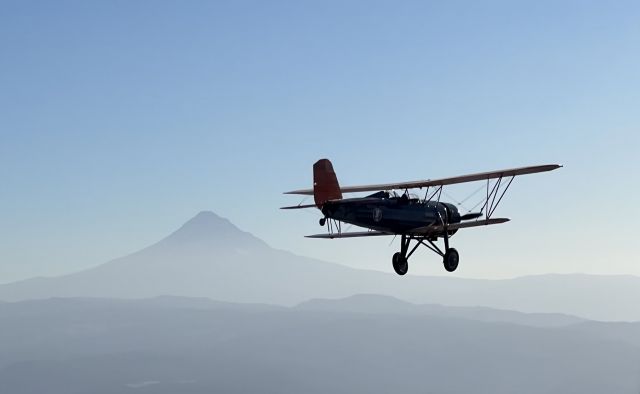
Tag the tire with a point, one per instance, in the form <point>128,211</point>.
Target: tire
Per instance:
<point>451,260</point>
<point>400,264</point>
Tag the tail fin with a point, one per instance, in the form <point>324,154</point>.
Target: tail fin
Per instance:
<point>325,183</point>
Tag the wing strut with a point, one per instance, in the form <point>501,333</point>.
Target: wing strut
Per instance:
<point>490,207</point>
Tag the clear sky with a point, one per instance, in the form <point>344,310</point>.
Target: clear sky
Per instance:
<point>120,120</point>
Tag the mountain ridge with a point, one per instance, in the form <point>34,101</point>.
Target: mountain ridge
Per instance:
<point>210,257</point>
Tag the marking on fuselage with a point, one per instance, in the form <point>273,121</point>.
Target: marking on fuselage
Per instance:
<point>377,214</point>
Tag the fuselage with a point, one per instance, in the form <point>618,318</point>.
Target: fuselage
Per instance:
<point>383,212</point>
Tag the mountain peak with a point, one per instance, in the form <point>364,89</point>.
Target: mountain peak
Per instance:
<point>206,218</point>
<point>207,226</point>
<point>206,221</point>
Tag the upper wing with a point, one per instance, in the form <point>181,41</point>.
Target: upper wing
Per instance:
<point>441,182</point>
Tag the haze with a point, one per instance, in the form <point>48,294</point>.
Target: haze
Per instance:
<point>304,325</point>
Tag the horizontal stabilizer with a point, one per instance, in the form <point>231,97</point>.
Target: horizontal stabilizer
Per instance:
<point>300,206</point>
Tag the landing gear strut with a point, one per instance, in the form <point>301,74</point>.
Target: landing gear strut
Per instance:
<point>400,260</point>
<point>450,258</point>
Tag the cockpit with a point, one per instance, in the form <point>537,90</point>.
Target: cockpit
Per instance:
<point>404,198</point>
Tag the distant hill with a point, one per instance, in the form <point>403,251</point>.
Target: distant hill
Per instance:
<point>175,345</point>
<point>210,257</point>
<point>377,304</point>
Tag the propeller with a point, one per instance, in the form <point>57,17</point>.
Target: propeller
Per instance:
<point>470,216</point>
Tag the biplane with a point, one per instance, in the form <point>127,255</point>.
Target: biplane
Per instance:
<point>419,220</point>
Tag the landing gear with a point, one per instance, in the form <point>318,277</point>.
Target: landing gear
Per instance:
<point>451,259</point>
<point>400,263</point>
<point>400,260</point>
<point>322,221</point>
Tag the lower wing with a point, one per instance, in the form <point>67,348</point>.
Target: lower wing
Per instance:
<point>349,235</point>
<point>420,231</point>
<point>439,228</point>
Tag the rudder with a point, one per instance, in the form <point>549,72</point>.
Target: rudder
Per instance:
<point>325,183</point>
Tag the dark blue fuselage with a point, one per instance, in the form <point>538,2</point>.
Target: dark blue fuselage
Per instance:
<point>390,214</point>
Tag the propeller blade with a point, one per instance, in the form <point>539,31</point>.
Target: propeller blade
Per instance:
<point>470,216</point>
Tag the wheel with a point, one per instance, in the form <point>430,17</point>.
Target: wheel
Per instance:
<point>400,264</point>
<point>322,221</point>
<point>451,259</point>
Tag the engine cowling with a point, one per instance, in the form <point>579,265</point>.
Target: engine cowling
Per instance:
<point>450,214</point>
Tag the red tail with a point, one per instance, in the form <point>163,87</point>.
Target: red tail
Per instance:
<point>325,183</point>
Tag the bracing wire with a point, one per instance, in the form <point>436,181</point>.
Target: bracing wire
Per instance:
<point>461,203</point>
<point>472,194</point>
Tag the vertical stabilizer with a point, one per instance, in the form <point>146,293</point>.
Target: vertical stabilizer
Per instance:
<point>325,183</point>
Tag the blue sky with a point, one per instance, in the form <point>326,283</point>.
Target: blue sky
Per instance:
<point>120,120</point>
